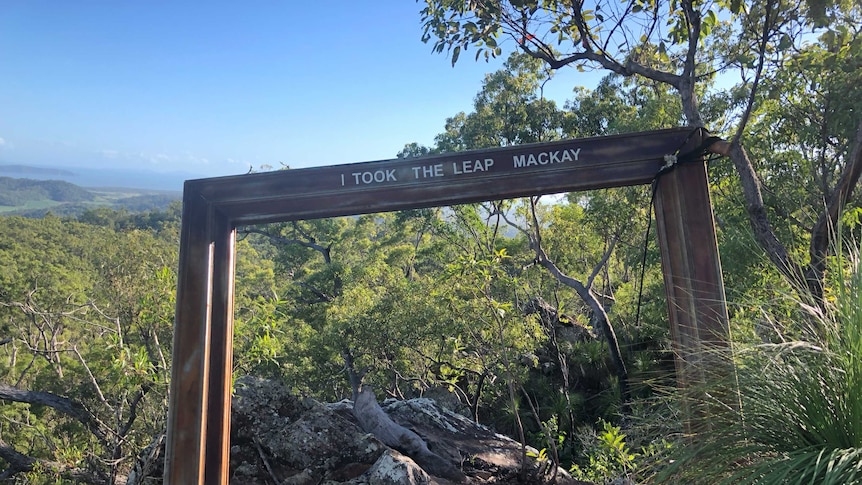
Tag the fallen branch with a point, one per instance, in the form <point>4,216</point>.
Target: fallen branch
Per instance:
<point>374,420</point>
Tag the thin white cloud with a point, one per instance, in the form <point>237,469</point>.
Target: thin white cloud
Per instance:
<point>160,158</point>
<point>196,159</point>
<point>2,141</point>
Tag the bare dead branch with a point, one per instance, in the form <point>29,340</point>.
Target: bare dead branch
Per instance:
<point>18,462</point>
<point>90,375</point>
<point>133,409</point>
<point>309,242</point>
<point>601,264</point>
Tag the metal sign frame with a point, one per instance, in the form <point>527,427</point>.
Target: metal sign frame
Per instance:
<point>198,438</point>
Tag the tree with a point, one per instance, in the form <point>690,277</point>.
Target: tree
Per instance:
<point>686,45</point>
<point>87,318</point>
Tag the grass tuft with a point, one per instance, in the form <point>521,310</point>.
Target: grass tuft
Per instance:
<point>796,415</point>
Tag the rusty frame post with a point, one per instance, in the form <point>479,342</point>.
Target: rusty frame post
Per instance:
<point>693,280</point>
<point>199,412</point>
<point>198,439</point>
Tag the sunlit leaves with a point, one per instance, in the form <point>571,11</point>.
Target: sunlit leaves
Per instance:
<point>87,312</point>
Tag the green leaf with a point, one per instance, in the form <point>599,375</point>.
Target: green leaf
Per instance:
<point>455,53</point>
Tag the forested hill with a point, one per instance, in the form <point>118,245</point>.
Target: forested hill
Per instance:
<point>35,198</point>
<point>14,191</point>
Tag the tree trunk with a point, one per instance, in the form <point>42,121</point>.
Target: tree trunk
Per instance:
<point>600,319</point>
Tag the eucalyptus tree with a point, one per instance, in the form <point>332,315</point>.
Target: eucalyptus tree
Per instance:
<point>686,45</point>
<point>87,316</point>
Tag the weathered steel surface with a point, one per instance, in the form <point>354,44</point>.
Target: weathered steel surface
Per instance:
<point>692,276</point>
<point>199,414</point>
<point>187,408</point>
<point>442,180</point>
<point>199,407</point>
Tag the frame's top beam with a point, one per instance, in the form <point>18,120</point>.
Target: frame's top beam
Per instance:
<point>447,179</point>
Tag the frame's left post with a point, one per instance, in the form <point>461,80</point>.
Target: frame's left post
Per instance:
<point>199,405</point>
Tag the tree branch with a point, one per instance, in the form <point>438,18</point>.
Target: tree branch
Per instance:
<point>757,217</point>
<point>599,316</point>
<point>822,233</point>
<point>761,60</point>
<point>321,296</point>
<point>311,243</point>
<point>687,79</point>
<point>605,257</point>
<point>133,409</point>
<point>18,462</point>
<point>373,419</point>
<point>90,374</point>
<point>64,405</point>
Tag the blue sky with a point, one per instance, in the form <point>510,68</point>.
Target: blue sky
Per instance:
<point>212,88</point>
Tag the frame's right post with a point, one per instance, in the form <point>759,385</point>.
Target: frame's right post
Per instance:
<point>692,276</point>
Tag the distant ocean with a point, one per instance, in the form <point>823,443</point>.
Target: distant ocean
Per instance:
<point>98,177</point>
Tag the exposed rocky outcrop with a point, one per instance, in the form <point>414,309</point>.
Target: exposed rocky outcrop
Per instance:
<point>278,437</point>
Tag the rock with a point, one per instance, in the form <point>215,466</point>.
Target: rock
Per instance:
<point>280,437</point>
<point>296,440</point>
<point>393,468</point>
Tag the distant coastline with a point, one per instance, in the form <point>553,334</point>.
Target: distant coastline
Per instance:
<point>13,170</point>
<point>91,177</point>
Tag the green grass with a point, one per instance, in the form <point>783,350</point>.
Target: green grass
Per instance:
<point>30,205</point>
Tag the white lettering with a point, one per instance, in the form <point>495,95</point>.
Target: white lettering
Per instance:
<point>544,158</point>
<point>428,171</point>
<point>377,176</point>
<point>470,166</point>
